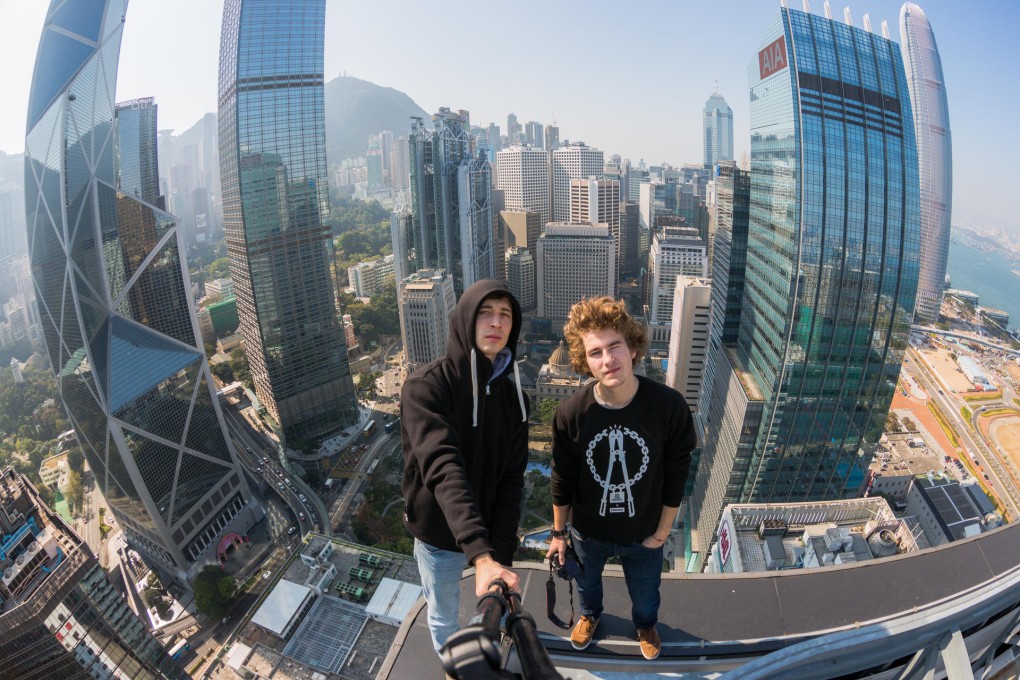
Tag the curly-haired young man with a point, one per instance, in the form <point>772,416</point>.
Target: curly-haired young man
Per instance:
<point>621,454</point>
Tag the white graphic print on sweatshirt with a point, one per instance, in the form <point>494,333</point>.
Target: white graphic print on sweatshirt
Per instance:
<point>617,482</point>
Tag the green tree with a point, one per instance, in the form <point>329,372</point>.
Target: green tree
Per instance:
<point>219,268</point>
<point>75,492</point>
<point>75,459</point>
<point>546,410</point>
<point>239,366</point>
<point>209,597</point>
<point>223,372</point>
<point>226,586</point>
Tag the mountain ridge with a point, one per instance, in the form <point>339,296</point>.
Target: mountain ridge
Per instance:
<point>355,109</point>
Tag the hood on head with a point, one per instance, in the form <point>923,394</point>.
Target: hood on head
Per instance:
<point>462,323</point>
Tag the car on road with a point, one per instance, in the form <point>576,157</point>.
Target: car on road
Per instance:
<point>265,459</point>
<point>266,574</point>
<point>291,530</point>
<point>226,619</point>
<point>279,485</point>
<point>302,497</point>
<point>301,516</point>
<point>286,480</point>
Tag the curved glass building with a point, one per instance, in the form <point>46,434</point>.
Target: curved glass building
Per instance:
<point>276,213</point>
<point>832,252</point>
<point>830,273</point>
<point>112,286</point>
<point>927,87</point>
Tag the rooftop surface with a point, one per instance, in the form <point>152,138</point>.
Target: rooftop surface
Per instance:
<point>722,617</point>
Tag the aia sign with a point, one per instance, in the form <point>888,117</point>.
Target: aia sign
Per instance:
<point>772,58</point>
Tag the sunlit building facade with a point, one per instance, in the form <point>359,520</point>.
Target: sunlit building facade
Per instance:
<point>113,292</point>
<point>61,615</point>
<point>276,213</point>
<point>831,270</point>
<point>927,86</point>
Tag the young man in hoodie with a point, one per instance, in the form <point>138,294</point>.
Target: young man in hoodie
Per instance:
<point>464,428</point>
<point>621,453</point>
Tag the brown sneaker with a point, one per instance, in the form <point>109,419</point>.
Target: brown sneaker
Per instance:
<point>648,639</point>
<point>583,632</point>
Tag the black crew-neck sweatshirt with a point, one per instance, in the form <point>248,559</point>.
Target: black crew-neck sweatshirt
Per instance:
<point>649,441</point>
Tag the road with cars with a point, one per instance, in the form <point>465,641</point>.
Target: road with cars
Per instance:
<point>260,457</point>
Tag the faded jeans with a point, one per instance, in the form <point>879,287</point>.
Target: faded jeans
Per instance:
<point>441,572</point>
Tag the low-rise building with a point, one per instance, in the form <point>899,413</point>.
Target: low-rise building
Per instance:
<point>769,536</point>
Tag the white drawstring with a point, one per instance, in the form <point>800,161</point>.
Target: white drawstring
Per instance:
<point>520,394</point>
<point>474,389</point>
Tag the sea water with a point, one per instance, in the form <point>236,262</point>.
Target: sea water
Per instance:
<point>990,275</point>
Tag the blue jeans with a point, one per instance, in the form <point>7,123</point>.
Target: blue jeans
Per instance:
<point>441,572</point>
<point>642,570</point>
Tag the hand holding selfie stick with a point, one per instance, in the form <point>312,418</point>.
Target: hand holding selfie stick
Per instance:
<point>473,651</point>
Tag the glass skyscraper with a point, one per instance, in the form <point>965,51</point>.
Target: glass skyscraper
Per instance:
<point>137,169</point>
<point>927,86</point>
<point>276,213</point>
<point>717,117</point>
<point>833,247</point>
<point>830,275</point>
<point>451,224</point>
<point>112,288</point>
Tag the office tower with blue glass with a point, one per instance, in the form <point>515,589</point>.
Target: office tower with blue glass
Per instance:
<point>452,221</point>
<point>927,86</point>
<point>717,123</point>
<point>830,276</point>
<point>276,214</point>
<point>120,328</point>
<point>137,171</point>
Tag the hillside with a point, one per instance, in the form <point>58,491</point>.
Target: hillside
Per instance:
<point>357,108</point>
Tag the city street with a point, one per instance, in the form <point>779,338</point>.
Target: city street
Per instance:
<point>986,462</point>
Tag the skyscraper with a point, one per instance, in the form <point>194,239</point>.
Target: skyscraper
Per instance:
<point>927,86</point>
<point>138,174</point>
<point>61,615</point>
<point>576,161</point>
<point>533,134</point>
<point>520,276</point>
<point>276,213</point>
<point>451,200</point>
<point>597,201</point>
<point>831,272</point>
<point>400,171</point>
<point>717,119</point>
<point>552,137</point>
<point>574,261</point>
<point>522,173</point>
<point>120,328</point>
<point>629,238</point>
<point>426,300</point>
<point>514,130</point>
<point>688,343</point>
<point>492,132</point>
<point>675,251</point>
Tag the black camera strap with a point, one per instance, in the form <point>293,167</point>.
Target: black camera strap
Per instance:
<point>550,601</point>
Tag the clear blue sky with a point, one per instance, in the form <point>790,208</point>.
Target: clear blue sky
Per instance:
<point>629,78</point>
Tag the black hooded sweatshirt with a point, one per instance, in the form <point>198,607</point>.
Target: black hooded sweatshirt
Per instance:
<point>465,442</point>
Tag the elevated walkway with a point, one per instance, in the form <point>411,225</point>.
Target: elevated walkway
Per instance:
<point>953,611</point>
